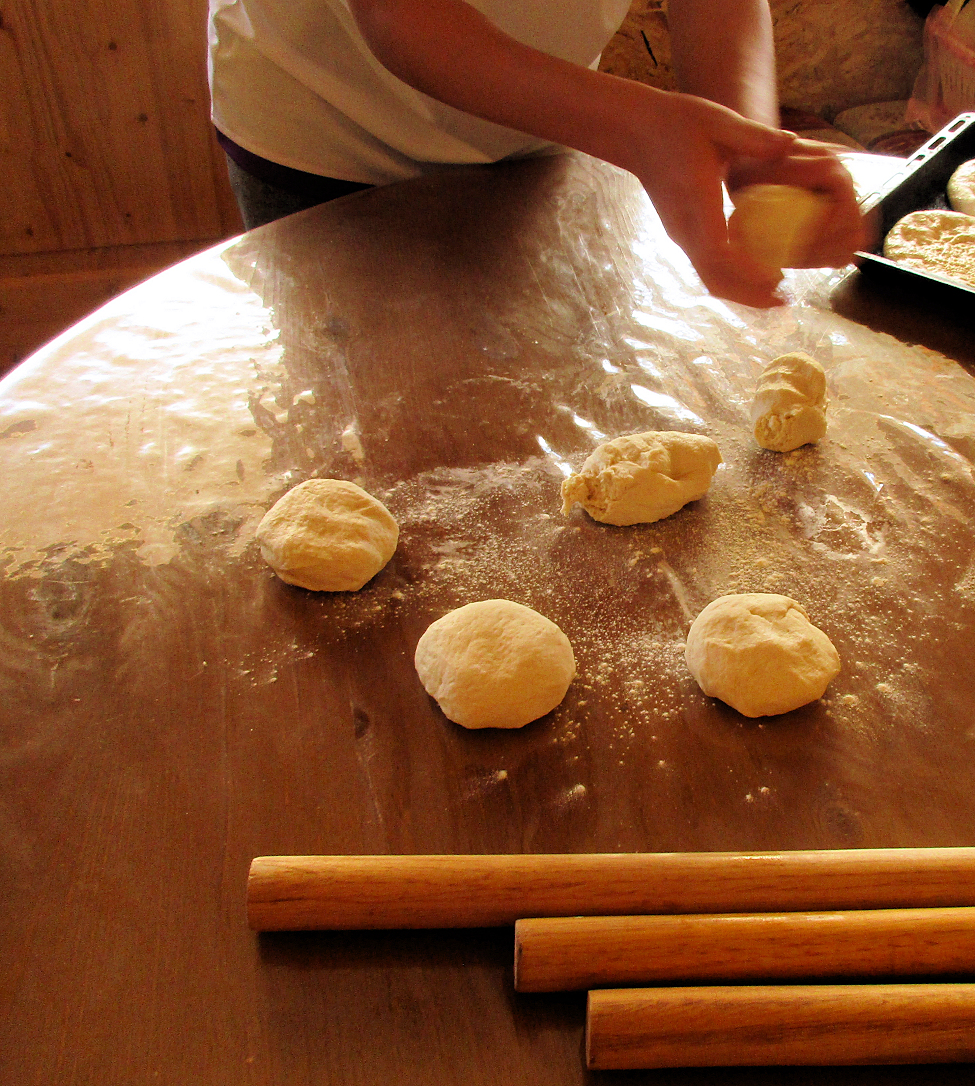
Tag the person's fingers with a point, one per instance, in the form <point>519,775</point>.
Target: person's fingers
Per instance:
<point>686,190</point>
<point>729,277</point>
<point>871,225</point>
<point>816,174</point>
<point>811,165</point>
<point>841,233</point>
<point>700,228</point>
<point>739,137</point>
<point>808,164</point>
<point>842,230</point>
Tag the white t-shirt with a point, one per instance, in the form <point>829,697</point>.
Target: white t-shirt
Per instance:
<point>294,82</point>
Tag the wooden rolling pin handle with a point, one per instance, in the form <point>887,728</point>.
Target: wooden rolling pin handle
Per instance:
<point>337,892</point>
<point>780,1025</point>
<point>571,953</point>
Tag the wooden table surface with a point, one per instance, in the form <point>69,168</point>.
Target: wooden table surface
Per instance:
<point>456,345</point>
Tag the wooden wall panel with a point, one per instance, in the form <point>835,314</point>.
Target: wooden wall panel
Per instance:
<point>105,137</point>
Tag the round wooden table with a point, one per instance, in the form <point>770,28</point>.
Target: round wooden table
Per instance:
<point>456,345</point>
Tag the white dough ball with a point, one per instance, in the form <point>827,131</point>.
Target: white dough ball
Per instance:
<point>641,478</point>
<point>759,653</point>
<point>328,535</point>
<point>789,408</point>
<point>776,224</point>
<point>961,188</point>
<point>495,664</point>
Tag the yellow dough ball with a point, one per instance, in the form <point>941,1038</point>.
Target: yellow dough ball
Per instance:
<point>759,653</point>
<point>776,224</point>
<point>495,664</point>
<point>327,535</point>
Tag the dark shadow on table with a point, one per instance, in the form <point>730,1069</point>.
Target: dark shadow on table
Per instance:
<point>911,313</point>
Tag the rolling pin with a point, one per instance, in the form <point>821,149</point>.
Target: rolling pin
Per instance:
<point>567,953</point>
<point>766,1025</point>
<point>289,893</point>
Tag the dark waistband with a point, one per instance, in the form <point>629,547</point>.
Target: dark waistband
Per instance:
<point>296,182</point>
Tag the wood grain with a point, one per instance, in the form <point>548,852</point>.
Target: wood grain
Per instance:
<point>113,109</point>
<point>567,953</point>
<point>337,892</point>
<point>762,1025</point>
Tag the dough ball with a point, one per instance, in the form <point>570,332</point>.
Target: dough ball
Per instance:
<point>495,664</point>
<point>776,224</point>
<point>327,535</point>
<point>937,242</point>
<point>760,653</point>
<point>789,408</point>
<point>961,188</point>
<point>642,477</point>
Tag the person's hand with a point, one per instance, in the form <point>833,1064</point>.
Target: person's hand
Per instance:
<point>681,148</point>
<point>813,165</point>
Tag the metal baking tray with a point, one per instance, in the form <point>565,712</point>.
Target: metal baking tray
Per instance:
<point>918,186</point>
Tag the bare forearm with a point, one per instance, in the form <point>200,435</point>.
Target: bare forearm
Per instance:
<point>456,55</point>
<point>722,50</point>
<point>681,146</point>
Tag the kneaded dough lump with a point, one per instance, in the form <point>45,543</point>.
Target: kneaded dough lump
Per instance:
<point>495,664</point>
<point>776,224</point>
<point>759,653</point>
<point>641,478</point>
<point>328,535</point>
<point>937,242</point>
<point>789,408</point>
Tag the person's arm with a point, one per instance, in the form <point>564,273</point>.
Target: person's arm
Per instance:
<point>723,50</point>
<point>452,52</point>
<point>736,67</point>
<point>678,145</point>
